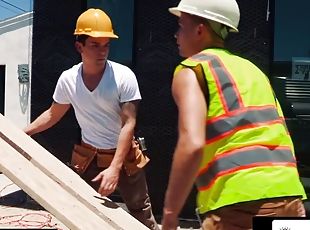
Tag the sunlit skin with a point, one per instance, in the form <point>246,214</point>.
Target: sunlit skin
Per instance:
<point>94,52</point>
<point>194,35</point>
<point>185,36</point>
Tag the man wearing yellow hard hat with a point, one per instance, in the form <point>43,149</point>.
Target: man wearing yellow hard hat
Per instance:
<point>232,142</point>
<point>105,96</point>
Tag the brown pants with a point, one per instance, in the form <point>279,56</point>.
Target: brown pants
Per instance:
<point>239,216</point>
<point>133,190</point>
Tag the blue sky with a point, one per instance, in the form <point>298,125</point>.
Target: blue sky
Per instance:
<point>11,8</point>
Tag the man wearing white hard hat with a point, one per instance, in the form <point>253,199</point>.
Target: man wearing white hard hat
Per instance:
<point>233,142</point>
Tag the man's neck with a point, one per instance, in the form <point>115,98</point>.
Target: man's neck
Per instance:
<point>93,71</point>
<point>92,76</point>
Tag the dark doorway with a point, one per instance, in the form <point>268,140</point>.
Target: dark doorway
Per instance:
<point>2,87</point>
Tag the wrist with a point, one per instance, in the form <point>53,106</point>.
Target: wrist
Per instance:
<point>116,167</point>
<point>170,212</point>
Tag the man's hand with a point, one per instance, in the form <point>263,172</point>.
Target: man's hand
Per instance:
<point>170,221</point>
<point>109,180</point>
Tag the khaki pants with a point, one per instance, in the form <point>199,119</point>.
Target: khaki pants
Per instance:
<point>133,190</point>
<point>239,216</point>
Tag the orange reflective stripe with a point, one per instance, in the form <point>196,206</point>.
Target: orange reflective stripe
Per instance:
<point>226,85</point>
<point>236,116</point>
<point>247,157</point>
<point>247,117</point>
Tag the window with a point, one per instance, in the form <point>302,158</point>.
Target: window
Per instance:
<point>291,35</point>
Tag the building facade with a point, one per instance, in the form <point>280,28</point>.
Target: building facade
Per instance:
<point>15,68</point>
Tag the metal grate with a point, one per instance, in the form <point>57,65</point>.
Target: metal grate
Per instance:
<point>52,52</point>
<point>298,95</point>
<point>297,91</point>
<point>294,97</point>
<point>155,56</point>
<point>254,38</point>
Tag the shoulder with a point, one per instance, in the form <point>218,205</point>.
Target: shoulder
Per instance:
<point>186,74</point>
<point>71,73</point>
<point>121,72</point>
<point>119,67</point>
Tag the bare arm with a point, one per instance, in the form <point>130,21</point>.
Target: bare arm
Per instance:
<point>188,153</point>
<point>129,113</point>
<point>47,119</point>
<point>109,177</point>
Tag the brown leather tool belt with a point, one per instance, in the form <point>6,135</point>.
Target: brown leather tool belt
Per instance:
<point>83,154</point>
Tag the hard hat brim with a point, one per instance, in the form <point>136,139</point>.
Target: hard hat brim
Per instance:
<point>177,12</point>
<point>96,34</point>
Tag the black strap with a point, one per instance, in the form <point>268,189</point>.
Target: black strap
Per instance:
<point>202,82</point>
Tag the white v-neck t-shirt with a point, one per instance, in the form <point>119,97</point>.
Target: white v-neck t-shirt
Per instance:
<point>98,111</point>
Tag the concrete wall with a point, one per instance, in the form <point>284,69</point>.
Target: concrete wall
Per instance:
<point>15,48</point>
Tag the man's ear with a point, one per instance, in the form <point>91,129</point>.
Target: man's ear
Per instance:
<point>201,28</point>
<point>78,47</point>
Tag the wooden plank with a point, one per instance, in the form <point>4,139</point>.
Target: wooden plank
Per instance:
<point>64,176</point>
<point>54,198</point>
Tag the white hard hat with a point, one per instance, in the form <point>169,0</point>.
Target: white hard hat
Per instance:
<point>225,12</point>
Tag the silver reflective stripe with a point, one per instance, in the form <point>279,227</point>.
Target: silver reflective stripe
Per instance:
<point>232,99</point>
<point>232,102</point>
<point>248,117</point>
<point>242,159</point>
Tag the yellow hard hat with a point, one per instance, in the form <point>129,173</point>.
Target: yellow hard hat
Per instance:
<point>94,23</point>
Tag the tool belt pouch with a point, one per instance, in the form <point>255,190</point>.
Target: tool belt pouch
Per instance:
<point>104,159</point>
<point>81,158</point>
<point>135,159</point>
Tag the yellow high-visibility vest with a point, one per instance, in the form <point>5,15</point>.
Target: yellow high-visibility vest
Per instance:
<point>248,154</point>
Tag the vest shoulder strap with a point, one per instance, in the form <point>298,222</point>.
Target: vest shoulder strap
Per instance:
<point>202,81</point>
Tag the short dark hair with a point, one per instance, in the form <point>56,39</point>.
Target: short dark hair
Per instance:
<point>81,38</point>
